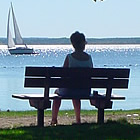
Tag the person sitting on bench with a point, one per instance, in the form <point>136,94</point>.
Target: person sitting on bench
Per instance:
<point>78,58</point>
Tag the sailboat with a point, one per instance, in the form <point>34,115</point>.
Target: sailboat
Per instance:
<point>16,46</point>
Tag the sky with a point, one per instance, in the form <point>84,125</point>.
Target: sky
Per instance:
<point>60,18</point>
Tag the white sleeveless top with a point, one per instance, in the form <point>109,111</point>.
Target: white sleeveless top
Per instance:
<point>76,92</point>
<point>77,63</point>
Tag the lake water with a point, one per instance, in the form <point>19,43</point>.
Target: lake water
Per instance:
<point>12,69</point>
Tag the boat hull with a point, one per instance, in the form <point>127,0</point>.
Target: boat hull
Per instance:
<point>21,51</point>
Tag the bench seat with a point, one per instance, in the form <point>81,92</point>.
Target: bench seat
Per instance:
<point>54,96</point>
<point>58,77</point>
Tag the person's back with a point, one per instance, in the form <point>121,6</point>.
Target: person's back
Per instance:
<point>78,58</point>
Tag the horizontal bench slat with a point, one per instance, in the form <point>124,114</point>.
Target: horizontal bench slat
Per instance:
<point>75,83</point>
<point>64,72</point>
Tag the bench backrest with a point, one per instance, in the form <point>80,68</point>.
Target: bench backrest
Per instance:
<point>54,77</point>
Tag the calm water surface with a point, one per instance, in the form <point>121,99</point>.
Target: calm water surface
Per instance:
<point>12,69</point>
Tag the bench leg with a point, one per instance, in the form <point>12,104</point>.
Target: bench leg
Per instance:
<point>40,117</point>
<point>100,115</point>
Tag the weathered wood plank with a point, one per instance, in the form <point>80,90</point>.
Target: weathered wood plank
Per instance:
<point>54,96</point>
<point>64,72</point>
<point>75,83</point>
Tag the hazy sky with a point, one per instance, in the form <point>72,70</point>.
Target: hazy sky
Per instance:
<point>59,18</point>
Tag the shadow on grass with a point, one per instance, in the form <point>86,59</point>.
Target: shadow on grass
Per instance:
<point>109,130</point>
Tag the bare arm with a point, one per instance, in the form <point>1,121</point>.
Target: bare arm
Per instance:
<point>66,62</point>
<point>91,62</point>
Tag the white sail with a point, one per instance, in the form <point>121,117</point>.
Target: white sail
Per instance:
<point>17,47</point>
<point>18,38</point>
<point>10,40</point>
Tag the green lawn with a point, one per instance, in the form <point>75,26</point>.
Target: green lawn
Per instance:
<point>110,130</point>
<point>63,112</point>
<point>113,130</point>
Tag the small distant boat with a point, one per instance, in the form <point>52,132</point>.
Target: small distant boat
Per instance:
<point>18,46</point>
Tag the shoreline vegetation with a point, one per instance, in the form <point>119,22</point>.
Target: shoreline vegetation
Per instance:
<point>66,41</point>
<point>119,124</point>
<point>66,117</point>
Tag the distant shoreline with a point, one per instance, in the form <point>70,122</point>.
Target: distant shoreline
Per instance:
<point>66,41</point>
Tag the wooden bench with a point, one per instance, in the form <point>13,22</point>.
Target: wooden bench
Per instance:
<point>58,77</point>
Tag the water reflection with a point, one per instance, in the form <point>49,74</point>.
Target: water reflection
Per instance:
<point>12,69</point>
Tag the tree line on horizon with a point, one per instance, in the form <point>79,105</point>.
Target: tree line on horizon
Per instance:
<point>66,41</point>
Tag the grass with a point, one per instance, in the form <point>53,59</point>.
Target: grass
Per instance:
<point>48,113</point>
<point>113,130</point>
<point>63,112</point>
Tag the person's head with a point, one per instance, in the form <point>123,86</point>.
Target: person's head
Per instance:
<point>78,41</point>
